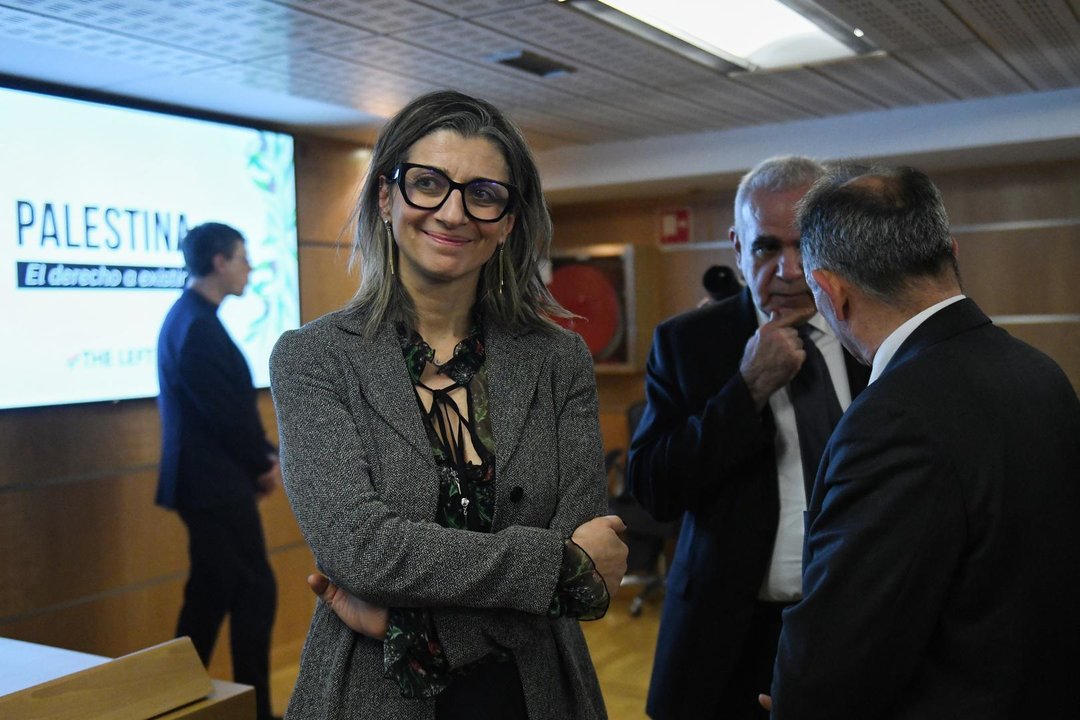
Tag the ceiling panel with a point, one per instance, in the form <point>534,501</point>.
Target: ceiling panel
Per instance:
<point>253,76</point>
<point>556,124</point>
<point>809,90</point>
<point>887,81</point>
<point>476,8</point>
<point>969,70</point>
<point>399,58</point>
<point>366,58</point>
<point>465,40</point>
<point>1040,38</point>
<point>47,32</point>
<point>650,111</point>
<point>749,105</point>
<point>232,30</point>
<point>901,24</point>
<point>366,88</point>
<point>378,16</point>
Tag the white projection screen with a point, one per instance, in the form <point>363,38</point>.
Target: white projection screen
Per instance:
<point>94,199</point>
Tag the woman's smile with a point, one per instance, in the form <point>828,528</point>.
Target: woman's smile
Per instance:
<point>446,239</point>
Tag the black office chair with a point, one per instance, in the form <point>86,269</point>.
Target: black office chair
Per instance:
<point>645,537</point>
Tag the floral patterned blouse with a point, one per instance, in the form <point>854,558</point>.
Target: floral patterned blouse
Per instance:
<point>412,655</point>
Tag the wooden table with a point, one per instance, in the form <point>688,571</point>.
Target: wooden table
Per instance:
<point>165,682</point>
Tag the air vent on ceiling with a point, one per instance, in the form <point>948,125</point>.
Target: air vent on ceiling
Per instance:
<point>532,63</point>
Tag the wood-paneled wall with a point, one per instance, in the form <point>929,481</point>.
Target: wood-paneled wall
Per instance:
<point>87,561</point>
<point>1017,229</point>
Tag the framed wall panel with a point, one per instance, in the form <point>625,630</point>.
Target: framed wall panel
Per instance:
<point>612,291</point>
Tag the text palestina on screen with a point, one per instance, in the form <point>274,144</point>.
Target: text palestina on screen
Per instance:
<point>97,227</point>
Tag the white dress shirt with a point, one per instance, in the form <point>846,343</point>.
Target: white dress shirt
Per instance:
<point>783,583</point>
<point>897,337</point>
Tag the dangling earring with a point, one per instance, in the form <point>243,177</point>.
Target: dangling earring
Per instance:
<point>501,246</point>
<point>389,244</point>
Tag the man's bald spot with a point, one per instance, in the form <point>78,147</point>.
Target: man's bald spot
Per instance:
<point>873,183</point>
<point>886,189</point>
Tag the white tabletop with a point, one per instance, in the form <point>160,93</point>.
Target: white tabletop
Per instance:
<point>24,664</point>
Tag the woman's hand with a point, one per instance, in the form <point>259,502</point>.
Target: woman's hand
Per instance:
<point>599,538</point>
<point>359,616</point>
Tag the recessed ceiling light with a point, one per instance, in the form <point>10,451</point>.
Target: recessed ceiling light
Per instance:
<point>734,34</point>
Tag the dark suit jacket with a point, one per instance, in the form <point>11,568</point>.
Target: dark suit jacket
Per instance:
<point>212,445</point>
<point>703,451</point>
<point>942,559</point>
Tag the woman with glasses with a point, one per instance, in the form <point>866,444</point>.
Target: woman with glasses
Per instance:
<point>440,446</point>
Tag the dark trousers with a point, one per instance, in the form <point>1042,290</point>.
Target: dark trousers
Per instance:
<point>491,691</point>
<point>753,672</point>
<point>230,575</point>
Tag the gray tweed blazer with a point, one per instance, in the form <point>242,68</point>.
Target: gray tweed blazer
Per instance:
<point>361,479</point>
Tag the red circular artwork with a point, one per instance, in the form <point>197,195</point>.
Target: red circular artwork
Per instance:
<point>588,292</point>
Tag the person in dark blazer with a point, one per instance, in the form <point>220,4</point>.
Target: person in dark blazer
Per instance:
<point>216,461</point>
<point>441,449</point>
<point>942,558</point>
<point>719,445</point>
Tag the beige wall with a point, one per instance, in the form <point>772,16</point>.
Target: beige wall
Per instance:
<point>89,563</point>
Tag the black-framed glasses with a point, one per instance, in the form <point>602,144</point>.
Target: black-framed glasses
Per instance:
<point>427,188</point>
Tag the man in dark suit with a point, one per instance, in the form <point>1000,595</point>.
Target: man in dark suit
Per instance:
<point>723,444</point>
<point>216,461</point>
<point>942,559</point>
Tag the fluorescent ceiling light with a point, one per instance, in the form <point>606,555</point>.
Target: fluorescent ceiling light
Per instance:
<point>754,34</point>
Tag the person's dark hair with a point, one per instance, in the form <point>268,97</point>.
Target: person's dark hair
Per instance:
<point>524,300</point>
<point>720,282</point>
<point>203,242</point>
<point>881,228</point>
